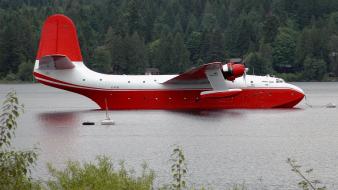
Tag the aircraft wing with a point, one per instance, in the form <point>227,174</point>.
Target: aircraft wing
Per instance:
<point>197,75</point>
<point>207,73</point>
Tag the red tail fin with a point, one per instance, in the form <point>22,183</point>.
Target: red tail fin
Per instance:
<point>58,36</point>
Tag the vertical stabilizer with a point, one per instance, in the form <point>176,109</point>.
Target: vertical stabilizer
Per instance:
<point>59,37</point>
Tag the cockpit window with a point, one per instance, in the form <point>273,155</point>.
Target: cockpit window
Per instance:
<point>279,81</point>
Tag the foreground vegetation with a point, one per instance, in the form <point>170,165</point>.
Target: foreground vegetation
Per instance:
<point>100,175</point>
<point>294,39</point>
<point>16,165</point>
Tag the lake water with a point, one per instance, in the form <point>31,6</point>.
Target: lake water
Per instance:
<point>222,148</point>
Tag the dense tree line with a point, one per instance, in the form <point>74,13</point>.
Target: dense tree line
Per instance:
<point>294,38</point>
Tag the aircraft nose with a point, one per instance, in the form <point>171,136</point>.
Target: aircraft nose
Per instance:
<point>299,91</point>
<point>296,88</point>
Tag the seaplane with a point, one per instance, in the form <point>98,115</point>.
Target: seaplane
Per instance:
<point>214,85</point>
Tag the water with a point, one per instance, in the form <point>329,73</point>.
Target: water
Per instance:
<point>222,147</point>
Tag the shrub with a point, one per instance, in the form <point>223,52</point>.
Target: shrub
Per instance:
<point>99,175</point>
<point>14,165</point>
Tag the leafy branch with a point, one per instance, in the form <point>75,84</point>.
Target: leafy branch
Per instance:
<point>307,182</point>
<point>10,111</point>
<point>14,165</point>
<point>178,169</point>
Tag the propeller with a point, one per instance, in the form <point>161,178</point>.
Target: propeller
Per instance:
<point>233,69</point>
<point>244,75</point>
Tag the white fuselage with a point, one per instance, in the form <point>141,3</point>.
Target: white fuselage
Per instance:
<point>83,76</point>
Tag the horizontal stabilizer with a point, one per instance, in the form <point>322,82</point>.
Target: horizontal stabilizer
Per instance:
<point>220,94</point>
<point>55,62</point>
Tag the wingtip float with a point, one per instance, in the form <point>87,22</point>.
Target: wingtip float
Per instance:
<point>214,85</point>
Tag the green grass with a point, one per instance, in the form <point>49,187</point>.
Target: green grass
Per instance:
<point>99,175</point>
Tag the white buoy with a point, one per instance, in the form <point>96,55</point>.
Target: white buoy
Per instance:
<point>330,105</point>
<point>107,121</point>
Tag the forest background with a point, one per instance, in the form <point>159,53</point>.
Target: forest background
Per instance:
<point>293,39</point>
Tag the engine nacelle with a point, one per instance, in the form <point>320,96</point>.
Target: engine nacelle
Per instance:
<point>232,71</point>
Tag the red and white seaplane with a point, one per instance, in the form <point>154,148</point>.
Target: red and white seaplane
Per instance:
<point>211,86</point>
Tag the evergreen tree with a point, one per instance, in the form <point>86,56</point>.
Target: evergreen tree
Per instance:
<point>333,23</point>
<point>194,46</point>
<point>312,43</point>
<point>314,69</point>
<point>135,57</point>
<point>240,35</point>
<point>257,63</point>
<point>270,29</point>
<point>333,49</point>
<point>132,17</point>
<point>284,49</point>
<point>12,51</point>
<point>216,48</point>
<point>209,20</point>
<point>102,60</point>
<point>180,53</point>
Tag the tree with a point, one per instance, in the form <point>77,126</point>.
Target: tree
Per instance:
<point>284,49</point>
<point>265,50</point>
<point>240,35</point>
<point>209,20</point>
<point>181,54</point>
<point>12,54</point>
<point>270,29</point>
<point>192,25</point>
<point>102,60</point>
<point>132,17</point>
<point>257,63</point>
<point>333,23</point>
<point>25,71</point>
<point>165,55</point>
<point>314,69</point>
<point>312,43</point>
<point>135,57</point>
<point>194,46</point>
<point>215,47</point>
<point>333,49</point>
<point>115,45</point>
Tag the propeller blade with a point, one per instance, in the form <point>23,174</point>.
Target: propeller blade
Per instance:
<point>244,75</point>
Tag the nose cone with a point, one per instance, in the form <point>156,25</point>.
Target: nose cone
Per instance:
<point>238,70</point>
<point>297,96</point>
<point>296,88</point>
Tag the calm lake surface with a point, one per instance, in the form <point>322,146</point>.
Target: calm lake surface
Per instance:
<point>222,147</point>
